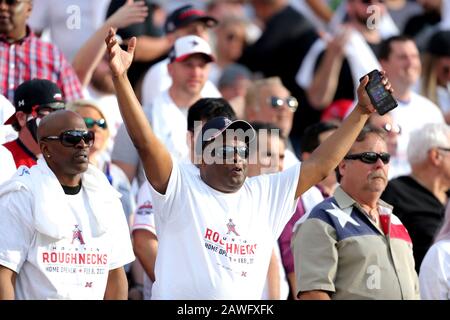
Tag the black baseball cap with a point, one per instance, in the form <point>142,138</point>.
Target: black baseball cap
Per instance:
<point>217,126</point>
<point>185,15</point>
<point>36,92</point>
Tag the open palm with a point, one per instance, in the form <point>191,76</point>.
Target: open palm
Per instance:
<point>119,60</point>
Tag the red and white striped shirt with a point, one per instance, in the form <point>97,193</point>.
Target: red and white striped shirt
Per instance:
<point>31,58</point>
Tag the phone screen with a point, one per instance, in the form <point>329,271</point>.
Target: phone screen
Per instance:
<point>378,92</point>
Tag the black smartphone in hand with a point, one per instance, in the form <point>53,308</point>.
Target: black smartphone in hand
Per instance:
<point>382,99</point>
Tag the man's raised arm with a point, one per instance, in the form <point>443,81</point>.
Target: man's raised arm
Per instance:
<point>154,155</point>
<point>328,155</point>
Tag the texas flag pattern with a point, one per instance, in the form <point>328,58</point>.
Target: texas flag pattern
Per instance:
<point>350,222</point>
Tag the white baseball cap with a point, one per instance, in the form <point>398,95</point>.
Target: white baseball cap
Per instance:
<point>186,46</point>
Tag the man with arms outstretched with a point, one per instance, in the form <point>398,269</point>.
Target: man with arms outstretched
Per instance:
<point>197,259</point>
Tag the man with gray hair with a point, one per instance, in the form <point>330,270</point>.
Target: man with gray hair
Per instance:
<point>419,199</point>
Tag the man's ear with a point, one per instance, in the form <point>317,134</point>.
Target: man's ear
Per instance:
<point>21,118</point>
<point>342,167</point>
<point>44,149</point>
<point>29,9</point>
<point>434,156</point>
<point>170,69</point>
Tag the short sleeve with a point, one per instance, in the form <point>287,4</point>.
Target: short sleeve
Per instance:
<point>282,187</point>
<point>144,218</point>
<point>315,256</point>
<point>433,278</point>
<point>122,250</point>
<point>16,228</point>
<point>167,203</point>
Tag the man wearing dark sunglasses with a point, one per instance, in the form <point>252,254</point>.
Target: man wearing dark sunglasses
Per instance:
<point>64,232</point>
<point>216,223</point>
<point>362,250</point>
<point>33,100</point>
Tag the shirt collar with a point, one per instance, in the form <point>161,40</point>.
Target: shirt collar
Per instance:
<point>344,200</point>
<point>28,35</point>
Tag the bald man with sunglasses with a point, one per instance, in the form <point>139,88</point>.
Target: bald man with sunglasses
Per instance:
<point>64,232</point>
<point>351,246</point>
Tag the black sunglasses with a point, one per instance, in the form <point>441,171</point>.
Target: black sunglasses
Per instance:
<point>276,103</point>
<point>228,152</point>
<point>369,157</point>
<point>371,1</point>
<point>71,138</point>
<point>90,123</point>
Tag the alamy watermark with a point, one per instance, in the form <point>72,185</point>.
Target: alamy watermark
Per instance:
<point>73,21</point>
<point>374,19</point>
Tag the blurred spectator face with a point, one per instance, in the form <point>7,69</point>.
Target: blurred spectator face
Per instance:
<point>231,38</point>
<point>357,9</point>
<point>403,65</point>
<point>362,177</point>
<point>386,123</point>
<point>430,5</point>
<point>95,121</point>
<point>270,155</point>
<point>13,17</point>
<point>189,75</point>
<point>443,71</point>
<point>221,8</point>
<point>237,89</point>
<point>196,28</point>
<point>274,109</point>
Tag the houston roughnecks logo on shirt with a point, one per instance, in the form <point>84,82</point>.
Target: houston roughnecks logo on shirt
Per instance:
<point>232,227</point>
<point>77,235</point>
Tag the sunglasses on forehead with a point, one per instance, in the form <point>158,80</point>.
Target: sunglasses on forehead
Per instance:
<point>90,123</point>
<point>369,157</point>
<point>228,152</point>
<point>277,103</point>
<point>71,138</point>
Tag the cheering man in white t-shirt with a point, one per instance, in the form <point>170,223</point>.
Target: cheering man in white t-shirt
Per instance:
<point>216,228</point>
<point>63,230</point>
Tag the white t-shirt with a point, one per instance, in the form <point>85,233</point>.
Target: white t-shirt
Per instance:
<point>434,276</point>
<point>412,115</point>
<point>7,164</point>
<point>144,219</point>
<point>214,245</point>
<point>157,80</point>
<point>48,268</point>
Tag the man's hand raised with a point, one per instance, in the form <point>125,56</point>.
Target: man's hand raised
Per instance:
<point>119,60</point>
